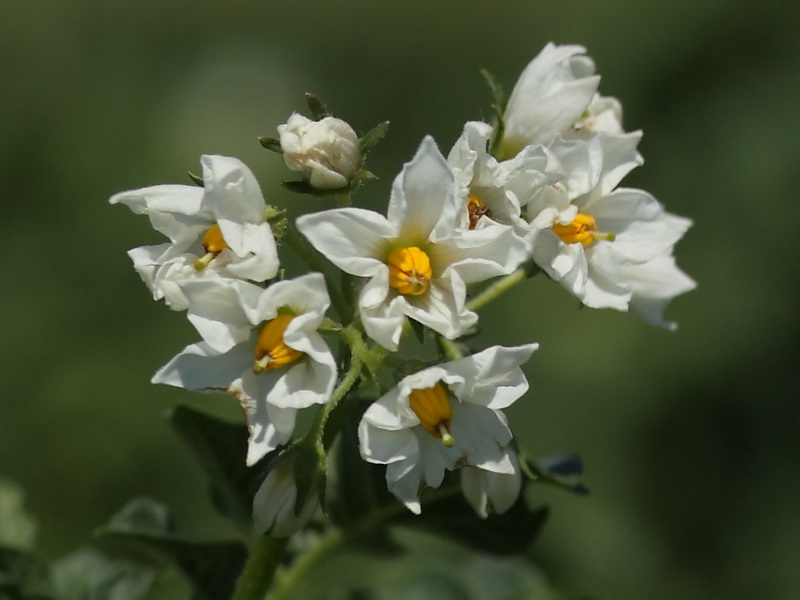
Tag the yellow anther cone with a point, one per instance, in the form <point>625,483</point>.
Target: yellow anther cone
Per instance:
<point>432,407</point>
<point>271,352</point>
<point>409,270</point>
<point>582,230</point>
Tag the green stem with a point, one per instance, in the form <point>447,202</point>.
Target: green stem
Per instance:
<point>309,256</point>
<point>371,358</point>
<point>259,570</point>
<point>450,348</point>
<point>345,385</point>
<point>335,538</point>
<point>497,288</point>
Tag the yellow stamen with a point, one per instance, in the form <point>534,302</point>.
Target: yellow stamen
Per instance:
<point>271,352</point>
<point>214,243</point>
<point>432,407</point>
<point>477,208</point>
<point>409,270</point>
<point>582,230</point>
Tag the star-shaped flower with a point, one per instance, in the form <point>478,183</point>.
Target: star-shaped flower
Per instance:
<point>494,191</point>
<point>219,230</point>
<point>418,259</point>
<point>594,238</point>
<point>443,418</point>
<point>262,346</point>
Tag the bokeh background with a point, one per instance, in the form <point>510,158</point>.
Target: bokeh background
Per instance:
<point>689,438</point>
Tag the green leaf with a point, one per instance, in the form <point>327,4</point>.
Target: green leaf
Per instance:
<point>453,517</point>
<point>270,143</point>
<point>17,527</point>
<point>317,107</point>
<point>371,139</point>
<point>355,487</point>
<point>89,574</point>
<point>562,470</point>
<point>212,568</point>
<point>221,448</point>
<point>22,576</point>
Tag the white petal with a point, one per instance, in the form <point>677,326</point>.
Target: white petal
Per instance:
<point>442,306</point>
<point>404,479</point>
<point>492,378</point>
<point>305,383</point>
<point>254,246</point>
<point>482,487</point>
<point>199,367</point>
<point>424,196</point>
<point>383,319</point>
<point>390,412</point>
<point>232,192</point>
<point>549,96</point>
<point>643,229</point>
<point>353,239</point>
<point>215,311</point>
<point>606,286</point>
<point>306,296</point>
<point>383,446</point>
<point>480,435</point>
<point>654,284</point>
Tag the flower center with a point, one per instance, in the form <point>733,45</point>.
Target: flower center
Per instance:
<point>214,243</point>
<point>271,352</point>
<point>477,208</point>
<point>409,270</point>
<point>432,407</point>
<point>582,230</point>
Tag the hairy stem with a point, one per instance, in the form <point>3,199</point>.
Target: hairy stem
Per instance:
<point>259,570</point>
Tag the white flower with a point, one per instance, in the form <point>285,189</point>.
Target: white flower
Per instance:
<point>493,191</point>
<point>262,346</point>
<point>549,97</point>
<point>418,259</point>
<point>219,230</point>
<point>326,150</point>
<point>488,491</point>
<point>275,509</point>
<point>595,239</point>
<point>446,417</point>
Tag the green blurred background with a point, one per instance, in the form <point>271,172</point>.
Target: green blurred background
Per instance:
<point>689,438</point>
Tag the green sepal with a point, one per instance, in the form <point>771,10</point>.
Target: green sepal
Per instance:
<point>221,448</point>
<point>561,470</point>
<point>371,139</point>
<point>196,179</point>
<point>270,143</point>
<point>210,567</point>
<point>317,107</point>
<point>498,108</point>
<point>304,187</point>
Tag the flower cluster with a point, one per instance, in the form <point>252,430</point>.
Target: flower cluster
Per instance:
<point>537,189</point>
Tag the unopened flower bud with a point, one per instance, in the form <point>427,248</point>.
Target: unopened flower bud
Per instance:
<point>326,150</point>
<point>277,510</point>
